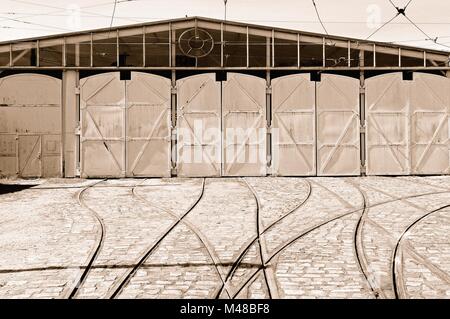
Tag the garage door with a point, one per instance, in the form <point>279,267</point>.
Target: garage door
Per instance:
<point>430,103</point>
<point>387,122</point>
<point>293,126</point>
<point>407,124</point>
<point>30,126</point>
<point>338,126</point>
<point>199,126</point>
<point>244,125</point>
<point>125,126</point>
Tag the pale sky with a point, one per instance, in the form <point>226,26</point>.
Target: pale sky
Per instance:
<point>350,18</point>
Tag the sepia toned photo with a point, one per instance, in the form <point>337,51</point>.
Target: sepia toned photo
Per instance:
<point>223,153</point>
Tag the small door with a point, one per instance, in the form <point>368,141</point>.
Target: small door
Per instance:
<point>148,125</point>
<point>244,125</point>
<point>338,126</point>
<point>198,126</point>
<point>103,126</point>
<point>30,164</point>
<point>51,155</point>
<point>293,126</point>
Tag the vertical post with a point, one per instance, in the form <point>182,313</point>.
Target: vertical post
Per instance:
<point>399,57</point>
<point>298,50</point>
<point>248,49</point>
<point>349,55</point>
<point>173,126</point>
<point>222,44</point>
<point>70,138</point>
<point>117,49</point>
<point>37,53</point>
<point>10,56</point>
<point>424,59</point>
<point>77,54</point>
<point>273,48</point>
<point>172,46</point>
<point>143,46</point>
<point>92,50</point>
<point>374,55</point>
<point>324,62</point>
<point>268,53</point>
<point>64,53</point>
<point>268,122</point>
<point>362,114</point>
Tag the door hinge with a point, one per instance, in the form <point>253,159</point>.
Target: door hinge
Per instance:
<point>77,90</point>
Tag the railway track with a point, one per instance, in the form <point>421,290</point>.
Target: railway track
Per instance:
<point>287,244</point>
<point>98,245</point>
<point>246,248</point>
<point>258,236</point>
<point>326,222</point>
<point>118,287</point>
<point>396,263</point>
<point>358,243</point>
<point>212,255</point>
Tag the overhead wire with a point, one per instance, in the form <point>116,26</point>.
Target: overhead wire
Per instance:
<point>402,11</point>
<point>93,14</point>
<point>382,26</point>
<point>318,16</point>
<point>112,16</point>
<point>59,10</point>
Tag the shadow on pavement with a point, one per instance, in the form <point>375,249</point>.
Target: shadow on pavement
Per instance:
<point>12,188</point>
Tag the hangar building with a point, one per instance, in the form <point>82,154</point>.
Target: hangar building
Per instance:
<point>204,97</point>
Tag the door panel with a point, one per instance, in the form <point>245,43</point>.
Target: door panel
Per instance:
<point>198,126</point>
<point>430,103</point>
<point>244,125</point>
<point>387,122</point>
<point>338,126</point>
<point>293,126</point>
<point>103,126</point>
<point>30,107</point>
<point>148,125</point>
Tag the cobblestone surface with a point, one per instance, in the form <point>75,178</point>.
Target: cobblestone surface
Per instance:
<point>195,238</point>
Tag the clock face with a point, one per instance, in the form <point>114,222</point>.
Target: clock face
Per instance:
<point>196,43</point>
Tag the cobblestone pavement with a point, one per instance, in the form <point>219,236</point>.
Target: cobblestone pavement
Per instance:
<point>271,237</point>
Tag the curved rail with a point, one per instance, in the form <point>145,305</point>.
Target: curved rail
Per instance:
<point>123,282</point>
<point>236,264</point>
<point>98,245</point>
